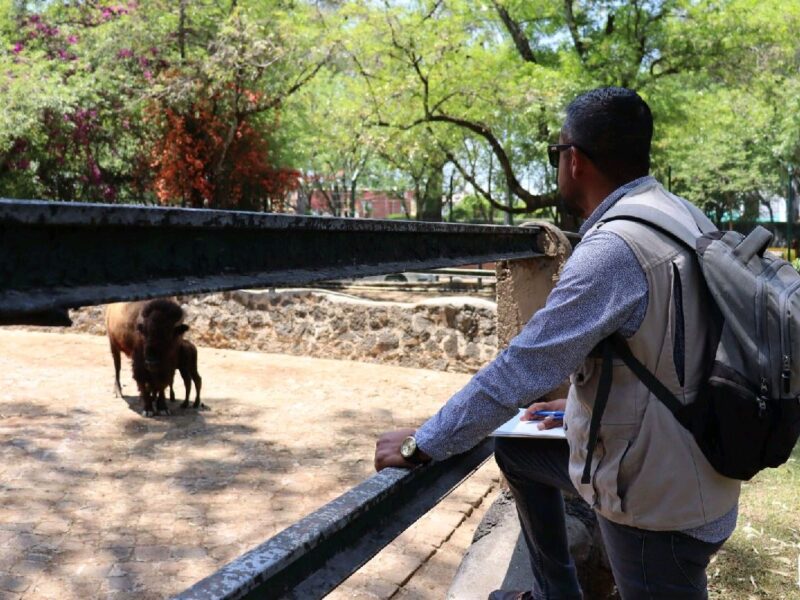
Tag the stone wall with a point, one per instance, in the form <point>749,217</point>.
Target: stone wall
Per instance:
<point>446,334</point>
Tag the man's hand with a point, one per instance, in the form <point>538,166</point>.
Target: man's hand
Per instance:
<point>546,422</point>
<point>387,450</point>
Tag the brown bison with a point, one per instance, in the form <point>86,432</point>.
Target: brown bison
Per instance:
<point>150,333</point>
<point>187,367</point>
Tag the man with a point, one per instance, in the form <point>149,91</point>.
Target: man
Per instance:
<point>662,509</point>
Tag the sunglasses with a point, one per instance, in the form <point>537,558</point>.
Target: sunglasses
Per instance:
<point>554,152</point>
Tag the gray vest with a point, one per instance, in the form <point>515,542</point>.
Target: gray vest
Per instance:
<point>647,470</point>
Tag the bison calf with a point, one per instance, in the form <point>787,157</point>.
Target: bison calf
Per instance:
<point>150,333</point>
<point>187,367</point>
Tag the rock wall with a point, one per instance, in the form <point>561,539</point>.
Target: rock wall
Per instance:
<point>446,334</point>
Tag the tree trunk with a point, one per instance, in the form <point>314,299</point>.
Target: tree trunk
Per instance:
<point>429,205</point>
<point>221,192</point>
<point>302,201</point>
<point>353,188</point>
<point>182,30</point>
<point>751,208</point>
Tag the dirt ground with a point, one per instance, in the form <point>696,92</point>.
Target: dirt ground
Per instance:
<point>98,501</point>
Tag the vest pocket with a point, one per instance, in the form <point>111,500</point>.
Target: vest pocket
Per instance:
<point>623,408</point>
<point>608,492</point>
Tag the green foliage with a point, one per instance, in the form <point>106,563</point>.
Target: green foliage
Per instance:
<point>471,81</point>
<point>472,208</point>
<point>437,97</point>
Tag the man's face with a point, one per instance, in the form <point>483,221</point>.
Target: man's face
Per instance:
<point>568,188</point>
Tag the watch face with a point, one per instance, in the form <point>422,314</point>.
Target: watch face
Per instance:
<point>408,447</point>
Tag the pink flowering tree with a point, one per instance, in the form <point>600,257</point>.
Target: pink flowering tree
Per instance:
<point>72,132</point>
<point>97,89</point>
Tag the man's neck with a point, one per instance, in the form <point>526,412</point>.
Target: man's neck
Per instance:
<point>595,196</point>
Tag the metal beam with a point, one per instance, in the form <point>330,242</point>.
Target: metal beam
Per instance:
<point>57,255</point>
<point>310,558</point>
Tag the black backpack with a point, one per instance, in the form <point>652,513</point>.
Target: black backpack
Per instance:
<point>747,416</point>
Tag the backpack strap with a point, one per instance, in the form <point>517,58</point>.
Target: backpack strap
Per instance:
<point>703,223</point>
<point>647,215</point>
<point>600,401</point>
<point>658,389</point>
<point>616,344</point>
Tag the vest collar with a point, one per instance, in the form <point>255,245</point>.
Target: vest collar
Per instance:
<point>637,184</point>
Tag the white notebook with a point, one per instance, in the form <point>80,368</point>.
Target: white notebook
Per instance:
<point>516,428</point>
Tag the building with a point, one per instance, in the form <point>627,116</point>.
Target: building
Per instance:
<point>370,204</point>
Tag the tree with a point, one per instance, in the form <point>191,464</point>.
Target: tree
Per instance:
<point>227,96</point>
<point>326,135</point>
<point>497,73</point>
<point>172,102</point>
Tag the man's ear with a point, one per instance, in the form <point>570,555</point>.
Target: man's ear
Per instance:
<point>181,329</point>
<point>577,163</point>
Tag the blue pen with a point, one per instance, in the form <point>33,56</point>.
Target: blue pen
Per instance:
<point>556,414</point>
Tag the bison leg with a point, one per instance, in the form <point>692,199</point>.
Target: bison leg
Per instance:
<point>115,354</point>
<point>198,383</point>
<point>171,391</point>
<point>147,399</point>
<point>187,383</point>
<point>161,404</point>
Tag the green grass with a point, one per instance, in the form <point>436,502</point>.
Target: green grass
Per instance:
<point>784,253</point>
<point>760,560</point>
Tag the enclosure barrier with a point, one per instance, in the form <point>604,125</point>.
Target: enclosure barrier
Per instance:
<point>55,256</point>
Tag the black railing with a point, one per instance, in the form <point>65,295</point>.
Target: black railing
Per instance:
<point>55,256</point>
<point>313,556</point>
<point>58,255</point>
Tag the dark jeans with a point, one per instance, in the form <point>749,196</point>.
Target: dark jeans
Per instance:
<point>646,564</point>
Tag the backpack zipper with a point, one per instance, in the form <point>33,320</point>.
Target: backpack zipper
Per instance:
<point>761,331</point>
<point>762,398</point>
<point>760,335</point>
<point>786,351</point>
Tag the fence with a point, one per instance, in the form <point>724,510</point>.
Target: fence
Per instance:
<point>55,256</point>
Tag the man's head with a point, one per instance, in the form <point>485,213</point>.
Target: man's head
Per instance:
<point>608,131</point>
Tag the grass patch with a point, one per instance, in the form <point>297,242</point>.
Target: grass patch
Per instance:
<point>760,560</point>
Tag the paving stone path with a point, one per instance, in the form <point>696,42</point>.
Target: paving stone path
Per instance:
<point>98,502</point>
<point>421,562</point>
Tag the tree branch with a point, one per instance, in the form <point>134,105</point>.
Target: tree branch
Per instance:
<point>469,178</point>
<point>433,10</point>
<point>569,15</point>
<point>367,78</point>
<point>432,115</point>
<point>673,70</point>
<point>276,101</point>
<point>516,33</point>
<point>447,97</point>
<point>532,201</point>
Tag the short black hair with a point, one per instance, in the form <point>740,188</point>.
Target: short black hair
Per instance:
<point>614,127</point>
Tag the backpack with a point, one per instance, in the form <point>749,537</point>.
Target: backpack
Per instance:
<point>747,415</point>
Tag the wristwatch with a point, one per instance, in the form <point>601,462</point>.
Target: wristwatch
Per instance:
<point>408,450</point>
